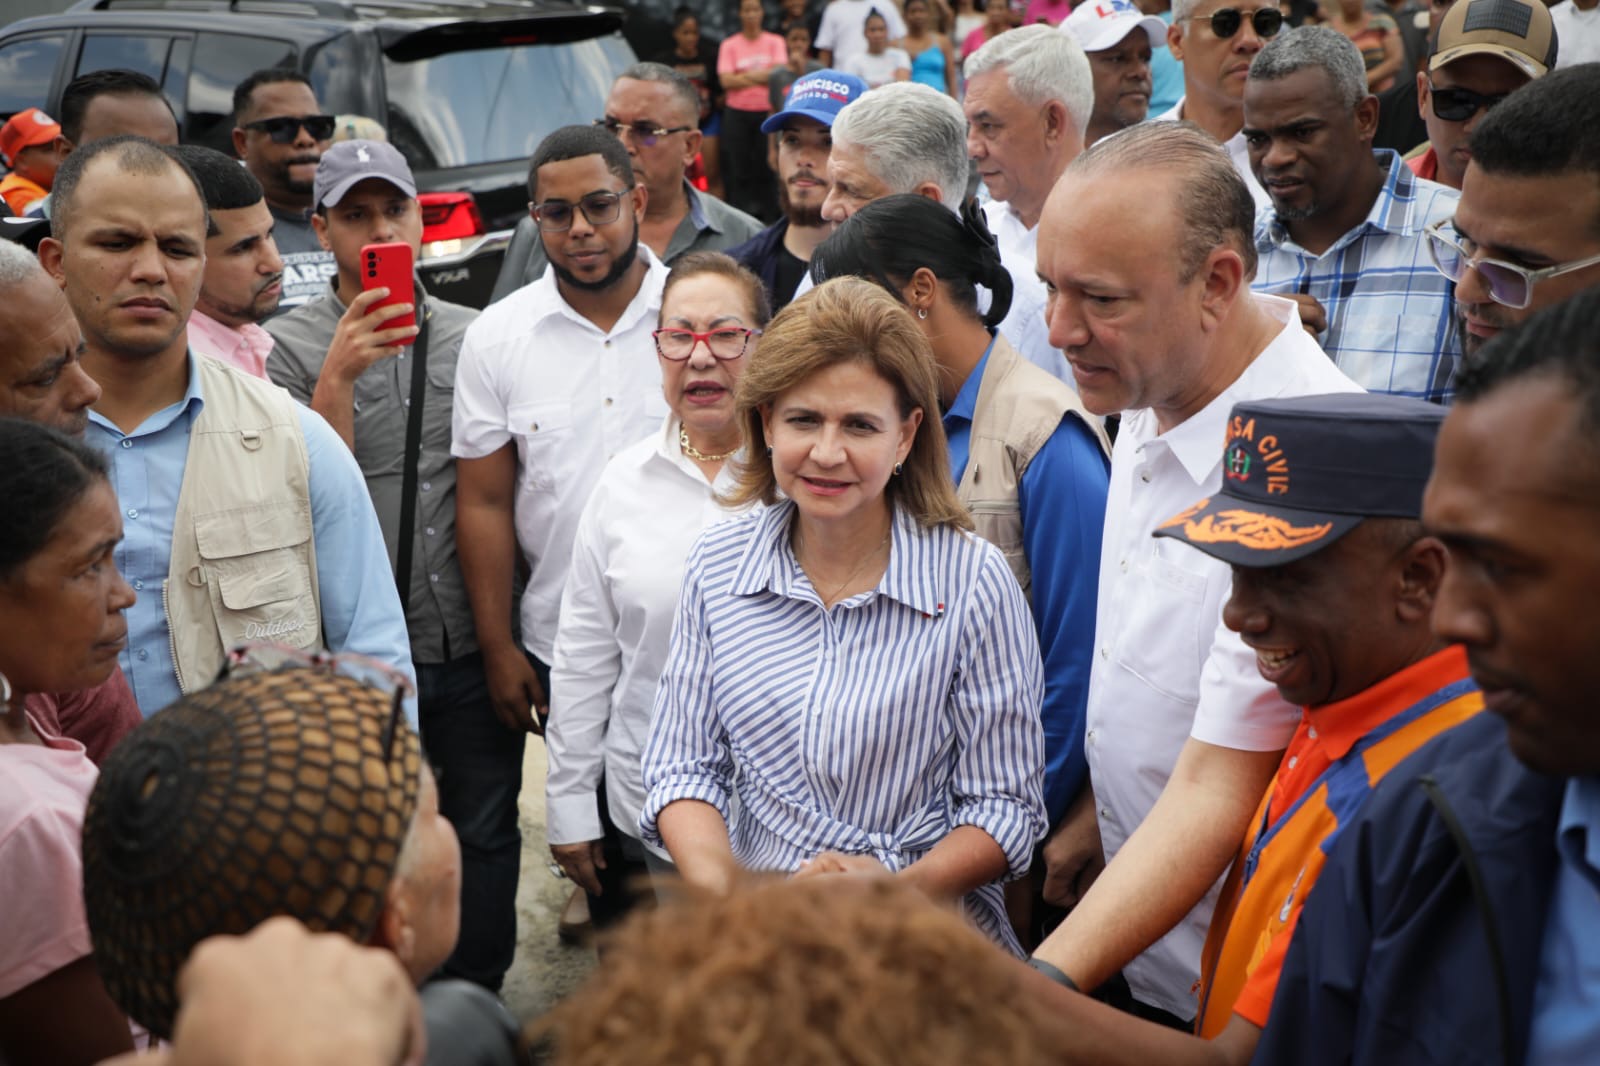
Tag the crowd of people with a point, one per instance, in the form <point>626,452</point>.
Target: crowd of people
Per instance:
<point>1087,581</point>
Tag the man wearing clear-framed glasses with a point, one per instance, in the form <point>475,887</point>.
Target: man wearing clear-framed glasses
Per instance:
<point>653,111</point>
<point>1526,233</point>
<point>1510,42</point>
<point>1215,40</point>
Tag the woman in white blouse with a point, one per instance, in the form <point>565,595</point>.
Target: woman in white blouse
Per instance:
<point>650,504</point>
<point>854,681</point>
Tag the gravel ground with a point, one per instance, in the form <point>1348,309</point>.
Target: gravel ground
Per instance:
<point>545,969</point>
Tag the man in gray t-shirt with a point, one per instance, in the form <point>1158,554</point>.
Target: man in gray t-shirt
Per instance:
<point>280,132</point>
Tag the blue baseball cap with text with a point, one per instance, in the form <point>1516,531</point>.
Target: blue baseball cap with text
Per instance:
<point>820,95</point>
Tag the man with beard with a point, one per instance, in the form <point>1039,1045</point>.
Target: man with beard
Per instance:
<point>244,273</point>
<point>280,132</point>
<point>341,356</point>
<point>553,380</point>
<point>244,516</point>
<point>42,380</point>
<point>653,112</point>
<point>1344,237</point>
<point>780,253</point>
<point>1527,230</point>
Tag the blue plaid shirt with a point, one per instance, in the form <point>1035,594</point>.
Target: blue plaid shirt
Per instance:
<point>1391,320</point>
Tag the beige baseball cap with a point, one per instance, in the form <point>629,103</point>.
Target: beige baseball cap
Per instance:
<point>1517,31</point>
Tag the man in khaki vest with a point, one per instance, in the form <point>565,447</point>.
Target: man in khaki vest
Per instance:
<point>245,516</point>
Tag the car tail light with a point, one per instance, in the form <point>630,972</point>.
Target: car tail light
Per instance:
<point>448,219</point>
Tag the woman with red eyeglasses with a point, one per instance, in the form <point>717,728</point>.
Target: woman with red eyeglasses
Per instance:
<point>61,629</point>
<point>651,503</point>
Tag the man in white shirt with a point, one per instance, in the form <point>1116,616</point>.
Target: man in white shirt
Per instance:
<point>552,381</point>
<point>843,36</point>
<point>906,137</point>
<point>1215,40</point>
<point>1578,29</point>
<point>243,281</point>
<point>1146,248</point>
<point>1120,41</point>
<point>1029,97</point>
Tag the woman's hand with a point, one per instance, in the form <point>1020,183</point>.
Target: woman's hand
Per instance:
<point>838,862</point>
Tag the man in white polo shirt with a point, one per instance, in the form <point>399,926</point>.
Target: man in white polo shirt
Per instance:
<point>1147,249</point>
<point>552,381</point>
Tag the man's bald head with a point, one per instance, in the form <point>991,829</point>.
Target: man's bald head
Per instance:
<point>130,155</point>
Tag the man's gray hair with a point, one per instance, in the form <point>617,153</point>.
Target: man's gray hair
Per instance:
<point>1042,64</point>
<point>17,264</point>
<point>1212,200</point>
<point>909,133</point>
<point>683,89</point>
<point>1315,46</point>
<point>1183,10</point>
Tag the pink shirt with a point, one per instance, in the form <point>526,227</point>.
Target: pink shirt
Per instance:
<point>43,793</point>
<point>245,348</point>
<point>739,54</point>
<point>1051,11</point>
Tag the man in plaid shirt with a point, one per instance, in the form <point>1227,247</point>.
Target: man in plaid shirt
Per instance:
<point>1344,235</point>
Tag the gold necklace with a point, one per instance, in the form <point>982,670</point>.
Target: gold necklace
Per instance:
<point>799,546</point>
<point>695,453</point>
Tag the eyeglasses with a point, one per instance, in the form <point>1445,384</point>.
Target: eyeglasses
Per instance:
<point>642,132</point>
<point>1458,105</point>
<point>265,656</point>
<point>1509,285</point>
<point>1225,22</point>
<point>600,208</point>
<point>285,128</point>
<point>729,342</point>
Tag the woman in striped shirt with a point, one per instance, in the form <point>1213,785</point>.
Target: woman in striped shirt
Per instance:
<point>854,682</point>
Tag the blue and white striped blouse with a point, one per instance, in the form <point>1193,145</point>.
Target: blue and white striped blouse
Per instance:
<point>875,727</point>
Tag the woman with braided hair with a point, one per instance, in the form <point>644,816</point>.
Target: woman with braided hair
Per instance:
<point>1029,462</point>
<point>61,627</point>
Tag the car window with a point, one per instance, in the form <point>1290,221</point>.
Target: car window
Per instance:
<point>27,67</point>
<point>472,107</point>
<point>222,61</point>
<point>145,53</point>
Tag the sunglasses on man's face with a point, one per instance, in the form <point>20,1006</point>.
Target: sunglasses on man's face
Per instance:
<point>1458,105</point>
<point>1225,22</point>
<point>285,128</point>
<point>643,133</point>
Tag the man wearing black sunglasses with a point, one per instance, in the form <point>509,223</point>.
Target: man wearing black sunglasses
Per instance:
<point>1472,70</point>
<point>280,132</point>
<point>1215,40</point>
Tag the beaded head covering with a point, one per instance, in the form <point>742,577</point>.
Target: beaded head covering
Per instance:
<point>270,793</point>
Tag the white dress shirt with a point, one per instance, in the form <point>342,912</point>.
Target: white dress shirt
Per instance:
<point>1165,667</point>
<point>535,372</point>
<point>1237,151</point>
<point>1024,325</point>
<point>651,504</point>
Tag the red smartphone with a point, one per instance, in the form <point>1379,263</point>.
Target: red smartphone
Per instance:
<point>389,266</point>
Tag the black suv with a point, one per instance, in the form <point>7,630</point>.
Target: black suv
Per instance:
<point>465,89</point>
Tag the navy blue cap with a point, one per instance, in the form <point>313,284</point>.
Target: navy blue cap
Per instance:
<point>1299,474</point>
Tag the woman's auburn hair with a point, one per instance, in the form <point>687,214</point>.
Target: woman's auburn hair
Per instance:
<point>850,320</point>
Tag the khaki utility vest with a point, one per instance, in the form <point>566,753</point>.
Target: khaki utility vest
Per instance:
<point>1019,406</point>
<point>243,564</point>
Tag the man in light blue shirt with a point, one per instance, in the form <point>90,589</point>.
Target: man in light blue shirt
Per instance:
<point>127,247</point>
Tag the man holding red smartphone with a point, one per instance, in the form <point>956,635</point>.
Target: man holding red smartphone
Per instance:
<point>376,356</point>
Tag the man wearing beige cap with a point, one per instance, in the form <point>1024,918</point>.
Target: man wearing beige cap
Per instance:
<point>1119,58</point>
<point>27,143</point>
<point>1485,50</point>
